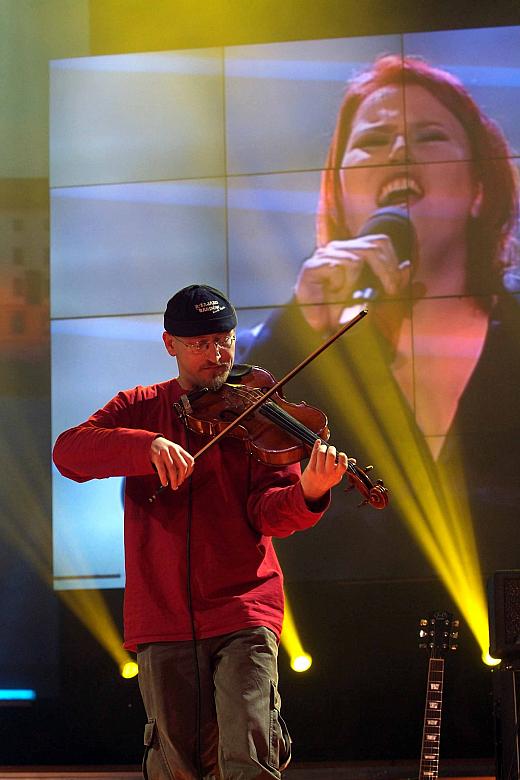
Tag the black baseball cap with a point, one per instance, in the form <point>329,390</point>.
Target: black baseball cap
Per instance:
<point>197,310</point>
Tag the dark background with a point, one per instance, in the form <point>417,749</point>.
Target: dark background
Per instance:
<point>364,696</point>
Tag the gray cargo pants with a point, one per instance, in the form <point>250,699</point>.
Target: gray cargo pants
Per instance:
<point>240,734</point>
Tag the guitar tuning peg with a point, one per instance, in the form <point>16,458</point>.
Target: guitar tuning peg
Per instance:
<point>423,622</point>
<point>368,468</point>
<point>455,623</point>
<point>454,635</point>
<point>454,647</point>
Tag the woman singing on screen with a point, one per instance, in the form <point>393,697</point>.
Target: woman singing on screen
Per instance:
<point>410,137</point>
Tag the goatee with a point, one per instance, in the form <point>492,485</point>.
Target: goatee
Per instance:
<point>217,381</point>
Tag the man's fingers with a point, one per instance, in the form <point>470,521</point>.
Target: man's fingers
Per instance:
<point>326,457</point>
<point>343,461</point>
<point>329,460</point>
<point>325,453</point>
<point>174,476</point>
<point>178,470</point>
<point>173,463</point>
<point>165,469</point>
<point>313,460</point>
<point>325,469</point>
<point>161,472</point>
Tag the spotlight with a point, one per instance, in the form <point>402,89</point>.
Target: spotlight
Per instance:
<point>128,669</point>
<point>302,662</point>
<point>489,660</point>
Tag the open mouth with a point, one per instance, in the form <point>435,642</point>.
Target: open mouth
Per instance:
<point>401,190</point>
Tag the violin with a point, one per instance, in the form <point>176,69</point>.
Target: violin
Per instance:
<point>276,432</point>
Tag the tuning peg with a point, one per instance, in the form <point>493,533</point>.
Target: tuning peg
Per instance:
<point>454,635</point>
<point>423,622</point>
<point>368,468</point>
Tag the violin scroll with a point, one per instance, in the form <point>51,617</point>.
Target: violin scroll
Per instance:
<point>375,494</point>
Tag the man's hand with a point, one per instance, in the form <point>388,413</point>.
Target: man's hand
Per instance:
<point>172,462</point>
<point>324,470</point>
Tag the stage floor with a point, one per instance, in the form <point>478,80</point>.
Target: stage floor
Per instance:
<point>402,770</point>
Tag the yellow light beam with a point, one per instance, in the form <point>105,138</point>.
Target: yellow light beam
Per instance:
<point>26,525</point>
<point>299,659</point>
<point>431,502</point>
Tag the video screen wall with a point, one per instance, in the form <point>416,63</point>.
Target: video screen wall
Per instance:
<point>257,169</point>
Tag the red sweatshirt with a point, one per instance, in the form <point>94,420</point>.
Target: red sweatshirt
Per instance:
<point>237,505</point>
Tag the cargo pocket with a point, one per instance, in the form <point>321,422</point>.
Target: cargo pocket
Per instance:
<point>155,766</point>
<point>285,745</point>
<point>279,737</point>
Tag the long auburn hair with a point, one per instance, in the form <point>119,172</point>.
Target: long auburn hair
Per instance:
<point>491,236</point>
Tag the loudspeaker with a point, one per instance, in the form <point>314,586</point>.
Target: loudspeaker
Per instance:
<point>504,615</point>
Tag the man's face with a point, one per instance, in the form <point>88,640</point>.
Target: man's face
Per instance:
<point>203,361</point>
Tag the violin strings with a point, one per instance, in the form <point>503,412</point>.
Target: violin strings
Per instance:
<point>277,414</point>
<point>293,426</point>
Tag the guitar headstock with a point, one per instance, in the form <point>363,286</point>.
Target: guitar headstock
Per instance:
<point>439,633</point>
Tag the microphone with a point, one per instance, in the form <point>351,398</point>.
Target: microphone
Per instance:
<point>391,221</point>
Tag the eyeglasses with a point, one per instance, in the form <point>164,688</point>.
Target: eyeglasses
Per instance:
<point>224,342</point>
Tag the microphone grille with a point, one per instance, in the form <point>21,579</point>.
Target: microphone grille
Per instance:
<point>393,221</point>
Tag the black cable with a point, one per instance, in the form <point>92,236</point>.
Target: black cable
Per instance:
<point>192,619</point>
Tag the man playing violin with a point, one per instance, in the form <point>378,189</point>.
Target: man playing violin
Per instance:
<point>204,589</point>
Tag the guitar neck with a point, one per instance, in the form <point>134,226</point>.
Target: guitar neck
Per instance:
<point>429,766</point>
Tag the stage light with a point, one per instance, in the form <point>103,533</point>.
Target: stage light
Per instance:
<point>301,662</point>
<point>129,669</point>
<point>299,659</point>
<point>489,660</point>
